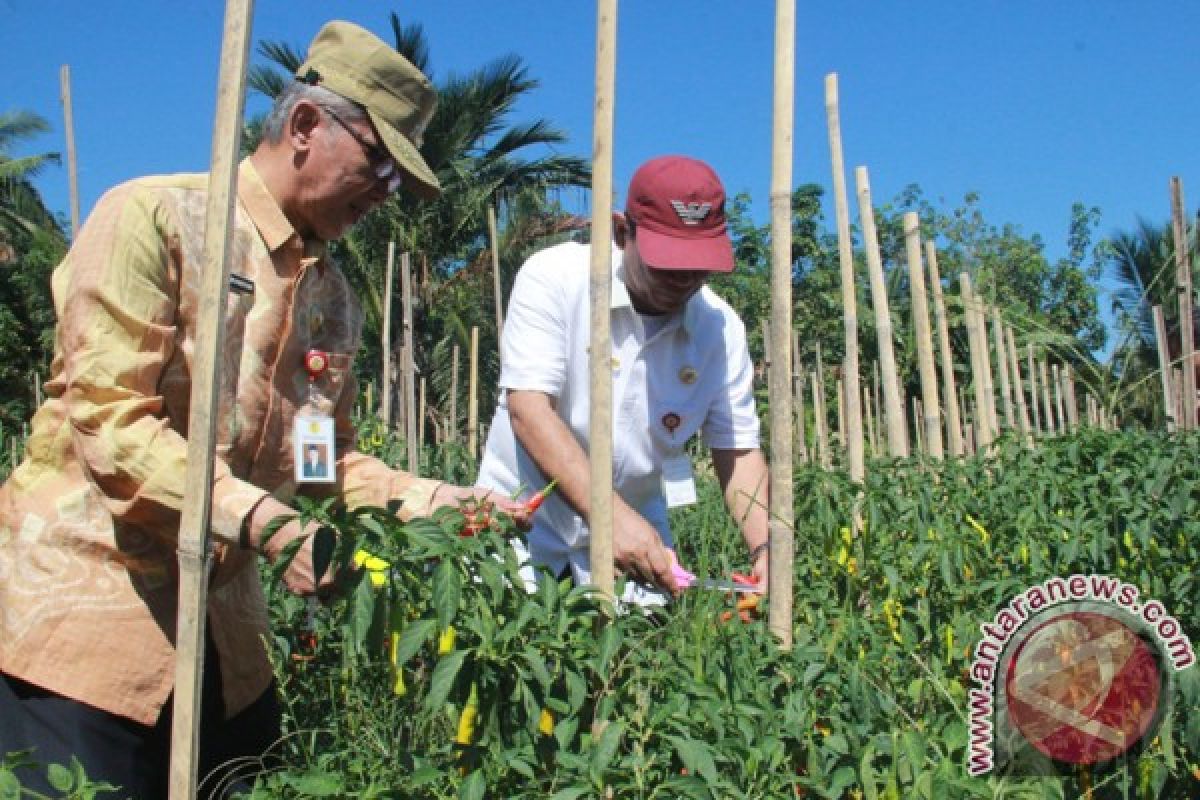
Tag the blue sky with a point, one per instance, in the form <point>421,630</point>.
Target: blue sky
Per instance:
<point>1033,105</point>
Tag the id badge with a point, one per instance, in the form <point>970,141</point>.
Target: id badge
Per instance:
<point>314,451</point>
<point>679,487</point>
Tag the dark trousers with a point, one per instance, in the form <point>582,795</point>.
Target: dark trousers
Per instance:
<point>129,755</point>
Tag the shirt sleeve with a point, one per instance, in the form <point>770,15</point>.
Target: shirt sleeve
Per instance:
<point>732,421</point>
<point>534,345</point>
<point>119,290</point>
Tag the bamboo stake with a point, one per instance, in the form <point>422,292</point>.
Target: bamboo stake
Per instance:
<point>410,372</point>
<point>421,420</point>
<point>980,366</point>
<point>1052,426</point>
<point>782,510</point>
<point>473,397</point>
<point>195,557</point>
<point>820,422</point>
<point>1038,427</point>
<point>64,79</point>
<point>497,293</point>
<point>854,414</point>
<point>932,415</point>
<point>949,389</point>
<point>1018,385</point>
<point>1059,406</point>
<point>962,405</point>
<point>820,364</point>
<point>897,434</point>
<point>969,435</point>
<point>766,337</point>
<point>452,423</point>
<point>918,414</point>
<point>1069,397</point>
<point>798,432</point>
<point>386,382</point>
<point>869,416</point>
<point>1164,367</point>
<point>600,419</point>
<point>1177,398</point>
<point>878,406</point>
<point>1010,420</point>
<point>1183,281</point>
<point>839,387</point>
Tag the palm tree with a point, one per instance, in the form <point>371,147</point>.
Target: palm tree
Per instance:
<point>21,209</point>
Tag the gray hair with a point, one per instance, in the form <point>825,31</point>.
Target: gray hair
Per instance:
<point>296,91</point>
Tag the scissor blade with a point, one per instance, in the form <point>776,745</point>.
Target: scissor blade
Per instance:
<point>726,586</point>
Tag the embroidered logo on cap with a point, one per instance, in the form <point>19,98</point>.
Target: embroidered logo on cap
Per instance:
<point>691,213</point>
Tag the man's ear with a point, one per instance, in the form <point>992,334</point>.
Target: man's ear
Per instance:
<point>302,123</point>
<point>620,229</point>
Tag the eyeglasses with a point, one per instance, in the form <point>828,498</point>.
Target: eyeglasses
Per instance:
<point>379,159</point>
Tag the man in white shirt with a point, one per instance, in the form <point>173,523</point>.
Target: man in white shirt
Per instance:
<point>680,365</point>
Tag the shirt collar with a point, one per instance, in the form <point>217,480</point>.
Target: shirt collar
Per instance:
<point>273,226</point>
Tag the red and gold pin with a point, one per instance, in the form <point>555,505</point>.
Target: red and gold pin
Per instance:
<point>315,363</point>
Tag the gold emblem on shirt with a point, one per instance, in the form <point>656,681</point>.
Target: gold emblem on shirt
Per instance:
<point>688,375</point>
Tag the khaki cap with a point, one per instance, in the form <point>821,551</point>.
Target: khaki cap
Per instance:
<point>399,99</point>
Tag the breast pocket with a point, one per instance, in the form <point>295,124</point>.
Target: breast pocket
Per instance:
<point>673,424</point>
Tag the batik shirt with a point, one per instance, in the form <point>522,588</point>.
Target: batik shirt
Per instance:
<point>89,521</point>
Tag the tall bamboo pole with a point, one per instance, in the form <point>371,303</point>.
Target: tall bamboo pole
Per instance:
<point>1010,420</point>
<point>497,292</point>
<point>452,424</point>
<point>949,388</point>
<point>1164,366</point>
<point>1052,426</point>
<point>932,419</point>
<point>1038,427</point>
<point>854,422</point>
<point>421,419</point>
<point>980,363</point>
<point>195,558</point>
<point>410,371</point>
<point>473,396</point>
<point>1183,281</point>
<point>766,337</point>
<point>1059,405</point>
<point>820,422</point>
<point>1177,392</point>
<point>1018,386</point>
<point>897,433</point>
<point>1069,397</point>
<point>782,512</point>
<point>840,389</point>
<point>386,346</point>
<point>869,417</point>
<point>600,447</point>
<point>799,444</point>
<point>877,399</point>
<point>918,414</point>
<point>64,78</point>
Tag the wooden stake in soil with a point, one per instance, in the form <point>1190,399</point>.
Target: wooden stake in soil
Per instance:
<point>195,558</point>
<point>799,444</point>
<point>1010,420</point>
<point>854,423</point>
<point>918,414</point>
<point>1164,367</point>
<point>869,416</point>
<point>839,388</point>
<point>1183,281</point>
<point>897,433</point>
<point>64,78</point>
<point>949,387</point>
<point>1014,364</point>
<point>1059,405</point>
<point>600,520</point>
<point>1052,426</point>
<point>497,293</point>
<point>421,420</point>
<point>980,363</point>
<point>820,422</point>
<point>1069,397</point>
<point>452,423</point>
<point>473,397</point>
<point>410,370</point>
<point>782,511</point>
<point>386,344</point>
<point>1177,392</point>
<point>1038,428</point>
<point>932,418</point>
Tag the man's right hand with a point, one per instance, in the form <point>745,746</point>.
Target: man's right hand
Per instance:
<point>638,552</point>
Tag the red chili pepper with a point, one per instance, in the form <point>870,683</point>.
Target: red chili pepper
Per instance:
<point>536,501</point>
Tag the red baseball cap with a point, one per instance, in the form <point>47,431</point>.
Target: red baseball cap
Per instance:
<point>678,207</point>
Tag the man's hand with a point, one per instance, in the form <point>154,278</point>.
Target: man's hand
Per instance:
<point>300,575</point>
<point>638,552</point>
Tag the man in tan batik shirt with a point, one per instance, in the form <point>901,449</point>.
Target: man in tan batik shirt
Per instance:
<point>89,521</point>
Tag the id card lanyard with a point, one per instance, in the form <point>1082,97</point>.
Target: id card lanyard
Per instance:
<point>314,451</point>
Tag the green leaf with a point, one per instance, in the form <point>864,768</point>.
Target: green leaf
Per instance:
<point>10,787</point>
<point>571,793</point>
<point>473,787</point>
<point>413,638</point>
<point>59,777</point>
<point>442,682</point>
<point>363,611</point>
<point>606,748</point>
<point>696,757</point>
<point>317,784</point>
<point>841,779</point>
<point>447,592</point>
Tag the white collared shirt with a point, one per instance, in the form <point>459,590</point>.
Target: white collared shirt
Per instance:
<point>693,374</point>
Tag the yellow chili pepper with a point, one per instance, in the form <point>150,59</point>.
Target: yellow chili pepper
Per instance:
<point>377,567</point>
<point>468,718</point>
<point>446,640</point>
<point>546,722</point>
<point>398,688</point>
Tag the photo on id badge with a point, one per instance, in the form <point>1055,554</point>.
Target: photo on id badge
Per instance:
<point>313,450</point>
